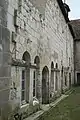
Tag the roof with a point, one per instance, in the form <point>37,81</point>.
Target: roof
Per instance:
<point>63,7</point>
<point>76,28</point>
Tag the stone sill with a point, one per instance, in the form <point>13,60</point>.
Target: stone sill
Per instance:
<point>25,105</point>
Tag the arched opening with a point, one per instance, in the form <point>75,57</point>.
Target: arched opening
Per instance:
<point>36,77</point>
<point>45,85</point>
<point>56,77</point>
<point>26,57</point>
<point>69,80</point>
<point>25,78</point>
<point>52,76</point>
<point>52,65</point>
<point>37,61</point>
<point>56,66</point>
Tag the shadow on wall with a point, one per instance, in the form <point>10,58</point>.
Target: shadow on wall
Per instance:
<point>5,68</point>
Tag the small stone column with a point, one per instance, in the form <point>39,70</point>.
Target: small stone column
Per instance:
<point>31,88</point>
<point>40,86</point>
<point>59,82</point>
<point>68,79</point>
<point>54,79</point>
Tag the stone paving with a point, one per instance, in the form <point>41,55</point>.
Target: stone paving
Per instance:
<point>67,109</point>
<point>45,108</point>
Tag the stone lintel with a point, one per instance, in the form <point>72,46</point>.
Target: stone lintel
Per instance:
<point>21,63</point>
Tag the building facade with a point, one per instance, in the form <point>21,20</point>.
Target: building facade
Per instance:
<point>37,49</point>
<point>76,29</point>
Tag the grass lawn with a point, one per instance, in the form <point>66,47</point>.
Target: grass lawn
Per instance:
<point>67,109</point>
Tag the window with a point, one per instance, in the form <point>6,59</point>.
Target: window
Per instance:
<point>23,90</point>
<point>26,78</point>
<point>34,83</point>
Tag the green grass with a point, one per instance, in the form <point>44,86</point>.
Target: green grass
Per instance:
<point>67,109</point>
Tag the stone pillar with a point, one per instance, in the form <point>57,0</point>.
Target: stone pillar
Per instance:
<point>54,79</point>
<point>40,86</point>
<point>68,79</point>
<point>37,83</point>
<point>38,90</point>
<point>31,88</point>
<point>63,81</point>
<point>59,82</point>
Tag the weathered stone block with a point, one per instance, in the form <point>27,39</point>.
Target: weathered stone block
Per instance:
<point>6,58</point>
<point>4,97</point>
<point>6,39</point>
<point>6,111</point>
<point>4,4</point>
<point>0,35</point>
<point>4,83</point>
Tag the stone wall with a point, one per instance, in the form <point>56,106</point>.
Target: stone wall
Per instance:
<point>77,56</point>
<point>44,34</point>
<point>76,59</point>
<point>5,69</point>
